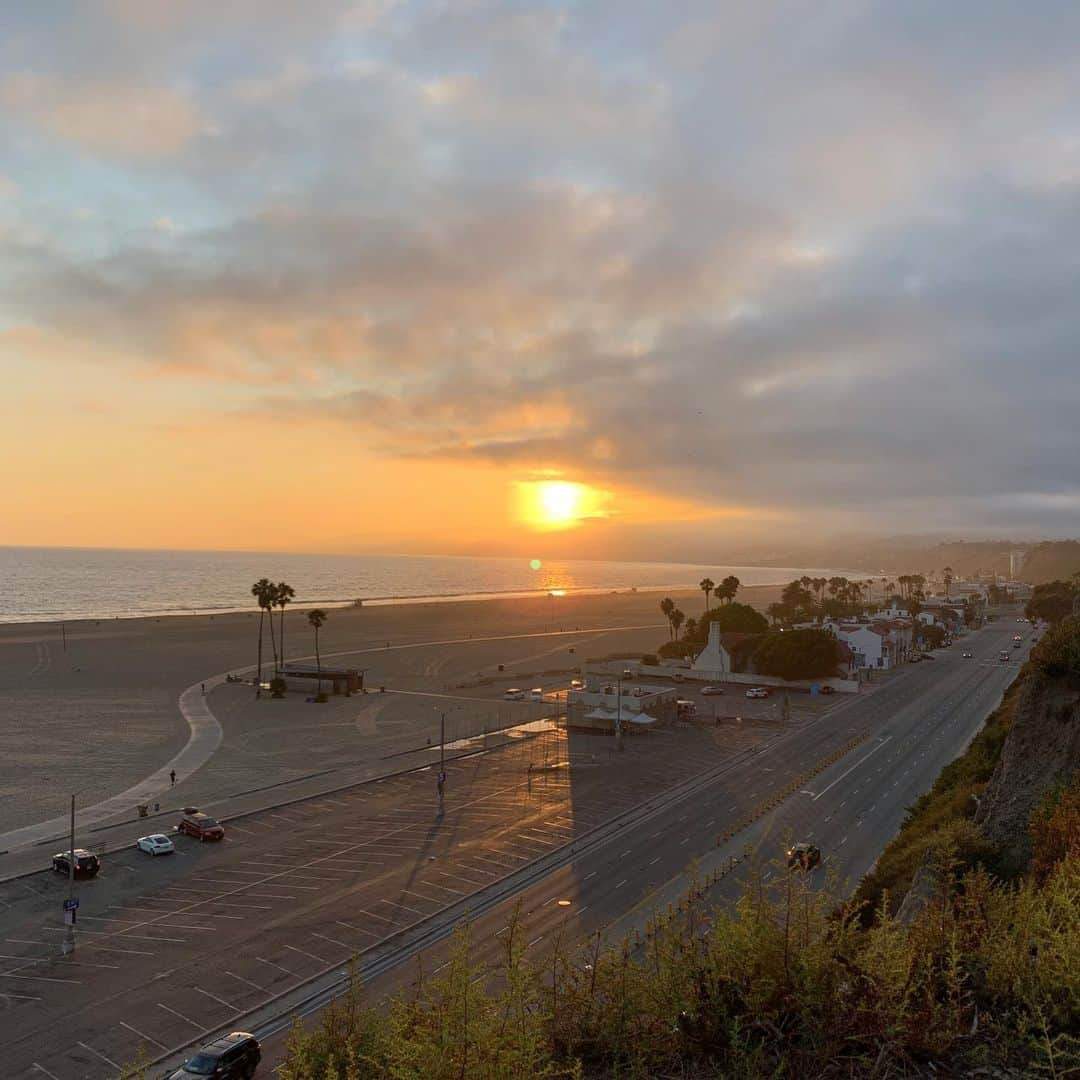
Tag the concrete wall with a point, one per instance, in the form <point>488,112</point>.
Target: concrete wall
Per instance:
<point>841,686</point>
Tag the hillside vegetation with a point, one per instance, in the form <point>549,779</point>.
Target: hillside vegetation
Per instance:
<point>983,975</point>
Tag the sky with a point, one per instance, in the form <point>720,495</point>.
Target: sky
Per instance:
<point>617,279</point>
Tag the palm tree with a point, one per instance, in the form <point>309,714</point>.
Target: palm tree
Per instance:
<point>267,600</point>
<point>677,619</point>
<point>667,606</point>
<point>317,617</point>
<point>730,585</point>
<point>283,595</point>
<point>947,577</point>
<point>258,590</point>
<point>706,585</point>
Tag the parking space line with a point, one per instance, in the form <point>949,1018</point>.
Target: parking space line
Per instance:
<point>271,963</point>
<point>241,978</point>
<point>186,1019</point>
<point>358,929</point>
<point>19,997</point>
<point>394,903</point>
<point>319,959</point>
<point>108,1061</point>
<point>372,915</point>
<point>39,978</point>
<point>142,1035</point>
<point>429,899</point>
<point>333,941</point>
<point>220,1001</point>
<point>46,1071</point>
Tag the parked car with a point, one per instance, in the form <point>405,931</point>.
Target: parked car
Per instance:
<point>826,689</point>
<point>577,684</point>
<point>1003,655</point>
<point>155,844</point>
<point>712,691</point>
<point>803,855</point>
<point>87,864</point>
<point>757,692</point>
<point>629,673</point>
<point>201,826</point>
<point>536,694</point>
<point>232,1057</point>
<point>968,655</point>
<point>514,694</point>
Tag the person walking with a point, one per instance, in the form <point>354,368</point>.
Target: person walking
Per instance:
<point>172,778</point>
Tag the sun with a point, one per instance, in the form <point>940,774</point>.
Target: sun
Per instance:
<point>559,501</point>
<point>557,504</point>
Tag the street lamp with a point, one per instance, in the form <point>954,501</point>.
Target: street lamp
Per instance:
<point>68,945</point>
<point>618,715</point>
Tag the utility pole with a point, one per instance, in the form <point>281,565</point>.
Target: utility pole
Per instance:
<point>69,911</point>
<point>442,760</point>
<point>618,716</point>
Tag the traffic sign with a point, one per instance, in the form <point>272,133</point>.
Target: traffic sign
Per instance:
<point>71,904</point>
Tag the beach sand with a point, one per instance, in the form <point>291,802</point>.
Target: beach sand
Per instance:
<point>101,715</point>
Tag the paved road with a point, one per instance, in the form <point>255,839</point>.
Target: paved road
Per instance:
<point>913,726</point>
<point>173,953</point>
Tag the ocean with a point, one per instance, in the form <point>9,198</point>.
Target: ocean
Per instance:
<point>57,584</point>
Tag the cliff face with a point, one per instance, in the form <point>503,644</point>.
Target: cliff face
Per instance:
<point>1041,750</point>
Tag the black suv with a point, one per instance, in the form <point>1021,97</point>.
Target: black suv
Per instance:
<point>232,1057</point>
<point>86,862</point>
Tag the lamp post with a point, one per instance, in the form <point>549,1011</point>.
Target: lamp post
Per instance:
<point>68,946</point>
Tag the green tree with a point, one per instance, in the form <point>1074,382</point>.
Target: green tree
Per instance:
<point>317,617</point>
<point>730,586</point>
<point>677,619</point>
<point>283,596</point>
<point>267,600</point>
<point>667,606</point>
<point>706,585</point>
<point>798,654</point>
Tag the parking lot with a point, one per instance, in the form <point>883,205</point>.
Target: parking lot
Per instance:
<point>170,947</point>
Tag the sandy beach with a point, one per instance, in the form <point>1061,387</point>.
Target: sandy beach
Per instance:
<point>95,710</point>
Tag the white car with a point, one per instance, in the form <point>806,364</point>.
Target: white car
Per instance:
<point>536,694</point>
<point>757,691</point>
<point>711,691</point>
<point>514,694</point>
<point>577,684</point>
<point>156,844</point>
<point>969,656</point>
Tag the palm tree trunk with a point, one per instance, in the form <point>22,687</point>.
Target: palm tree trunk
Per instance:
<point>318,660</point>
<point>273,640</point>
<point>258,673</point>
<point>281,627</point>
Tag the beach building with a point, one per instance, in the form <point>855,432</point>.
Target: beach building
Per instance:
<point>603,699</point>
<point>336,680</point>
<point>720,657</point>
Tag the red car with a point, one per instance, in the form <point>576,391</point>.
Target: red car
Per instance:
<point>827,689</point>
<point>201,826</point>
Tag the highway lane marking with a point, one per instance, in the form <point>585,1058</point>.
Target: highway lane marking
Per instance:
<point>621,883</point>
<point>214,997</point>
<point>655,861</point>
<point>241,978</point>
<point>853,767</point>
<point>186,1019</point>
<point>143,1035</point>
<point>587,876</point>
<point>535,941</point>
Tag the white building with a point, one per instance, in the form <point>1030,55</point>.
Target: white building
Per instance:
<point>880,645</point>
<point>604,698</point>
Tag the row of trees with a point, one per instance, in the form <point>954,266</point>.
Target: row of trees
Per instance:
<point>725,592</point>
<point>268,596</point>
<point>1053,601</point>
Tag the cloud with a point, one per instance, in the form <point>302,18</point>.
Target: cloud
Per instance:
<point>129,121</point>
<point>800,258</point>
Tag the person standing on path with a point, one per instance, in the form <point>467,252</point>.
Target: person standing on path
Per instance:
<point>172,778</point>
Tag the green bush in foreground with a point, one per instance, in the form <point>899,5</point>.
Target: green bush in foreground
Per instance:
<point>790,984</point>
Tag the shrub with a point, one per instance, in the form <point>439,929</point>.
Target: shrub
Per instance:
<point>678,649</point>
<point>797,654</point>
<point>733,619</point>
<point>650,659</point>
<point>1058,651</point>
